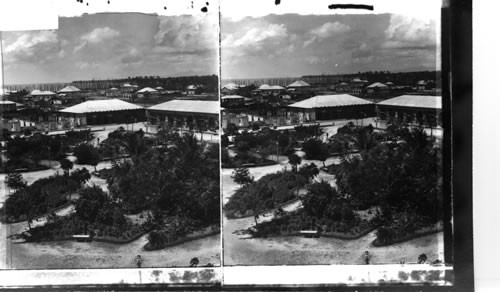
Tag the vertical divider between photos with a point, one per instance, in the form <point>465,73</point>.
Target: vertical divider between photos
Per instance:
<point>219,71</point>
<point>4,261</point>
<point>447,132</point>
<point>460,21</point>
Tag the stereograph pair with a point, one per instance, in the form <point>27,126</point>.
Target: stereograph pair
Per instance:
<point>170,145</point>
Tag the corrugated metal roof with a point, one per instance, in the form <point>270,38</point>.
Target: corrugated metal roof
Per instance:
<point>319,101</point>
<point>376,84</point>
<point>106,105</point>
<point>147,89</point>
<point>419,101</point>
<point>299,83</point>
<point>231,86</point>
<point>69,88</point>
<point>190,106</point>
<point>38,92</point>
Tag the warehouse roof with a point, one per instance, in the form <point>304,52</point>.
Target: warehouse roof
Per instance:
<point>231,86</point>
<point>147,89</point>
<point>376,84</point>
<point>105,105</point>
<point>39,92</point>
<point>418,101</point>
<point>299,83</point>
<point>188,106</point>
<point>319,101</point>
<point>69,88</point>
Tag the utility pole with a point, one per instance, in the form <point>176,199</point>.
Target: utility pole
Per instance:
<point>277,151</point>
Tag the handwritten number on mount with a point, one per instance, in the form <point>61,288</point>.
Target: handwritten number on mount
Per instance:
<point>277,2</point>
<point>204,9</point>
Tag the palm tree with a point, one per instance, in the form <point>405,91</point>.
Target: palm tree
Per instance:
<point>135,144</point>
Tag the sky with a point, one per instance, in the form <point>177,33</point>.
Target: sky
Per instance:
<point>293,45</point>
<point>258,41</point>
<point>113,45</point>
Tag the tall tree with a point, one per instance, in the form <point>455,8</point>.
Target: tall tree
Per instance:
<point>242,176</point>
<point>66,165</point>
<point>294,160</point>
<point>15,181</point>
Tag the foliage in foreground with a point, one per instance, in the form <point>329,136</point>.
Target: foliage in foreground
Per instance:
<point>400,175</point>
<point>181,180</point>
<point>268,192</point>
<point>43,195</point>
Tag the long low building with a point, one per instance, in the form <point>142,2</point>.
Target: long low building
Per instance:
<point>186,113</point>
<point>412,109</point>
<point>101,112</point>
<point>330,107</point>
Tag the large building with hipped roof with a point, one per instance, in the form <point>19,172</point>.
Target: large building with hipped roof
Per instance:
<point>102,112</point>
<point>330,107</point>
<point>186,113</point>
<point>412,109</point>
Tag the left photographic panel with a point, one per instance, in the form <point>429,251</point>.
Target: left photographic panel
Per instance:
<point>110,145</point>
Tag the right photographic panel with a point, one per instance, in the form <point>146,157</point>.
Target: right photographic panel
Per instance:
<point>332,152</point>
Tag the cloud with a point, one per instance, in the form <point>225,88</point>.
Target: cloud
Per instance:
<point>96,36</point>
<point>315,60</point>
<point>256,36</point>
<point>329,29</point>
<point>187,34</point>
<point>407,32</point>
<point>263,39</point>
<point>325,31</point>
<point>31,46</point>
<point>133,56</point>
<point>87,65</point>
<point>100,34</point>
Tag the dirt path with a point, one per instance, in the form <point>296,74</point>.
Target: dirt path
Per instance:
<point>71,254</point>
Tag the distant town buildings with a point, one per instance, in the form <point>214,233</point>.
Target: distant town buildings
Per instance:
<point>7,106</point>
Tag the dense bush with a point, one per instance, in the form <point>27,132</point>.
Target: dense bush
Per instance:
<point>39,147</point>
<point>19,164</point>
<point>266,193</point>
<point>316,149</point>
<point>404,175</point>
<point>40,197</point>
<point>65,227</point>
<point>179,179</point>
<point>86,154</point>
